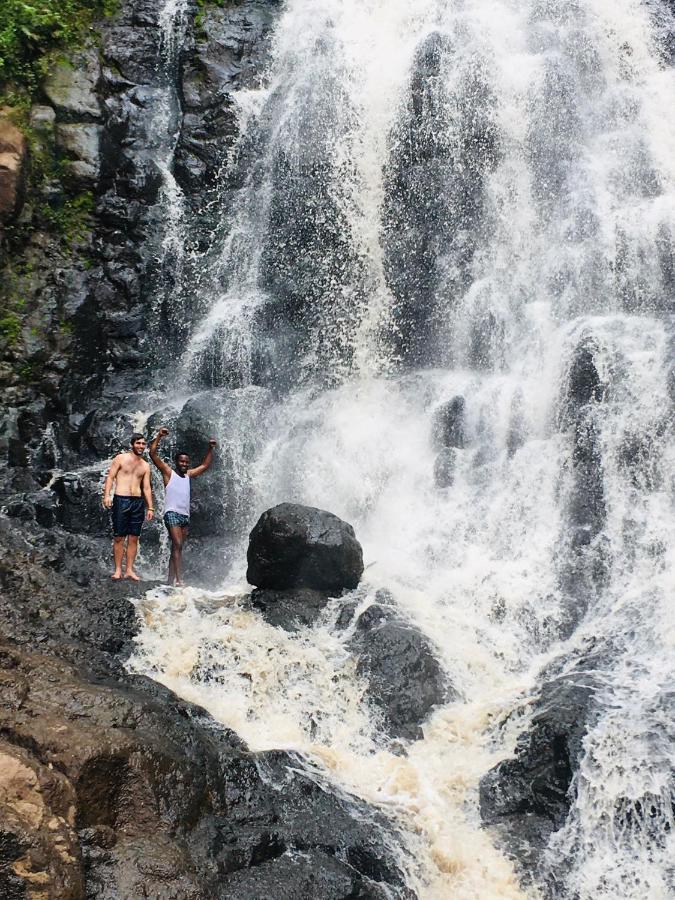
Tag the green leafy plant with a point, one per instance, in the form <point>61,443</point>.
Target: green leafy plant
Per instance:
<point>29,29</point>
<point>10,328</point>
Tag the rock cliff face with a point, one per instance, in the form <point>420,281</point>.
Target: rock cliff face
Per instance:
<point>92,307</point>
<point>109,785</point>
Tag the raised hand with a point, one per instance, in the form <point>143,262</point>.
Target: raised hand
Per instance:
<point>212,443</point>
<point>163,431</point>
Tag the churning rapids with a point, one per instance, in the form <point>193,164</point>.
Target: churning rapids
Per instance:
<point>453,199</point>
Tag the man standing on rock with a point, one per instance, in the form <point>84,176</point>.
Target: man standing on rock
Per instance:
<point>177,502</point>
<point>132,503</point>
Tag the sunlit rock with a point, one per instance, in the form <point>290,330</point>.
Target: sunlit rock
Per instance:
<point>13,156</point>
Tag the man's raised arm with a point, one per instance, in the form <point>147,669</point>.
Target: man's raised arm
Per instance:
<point>208,459</point>
<point>154,456</point>
<point>110,479</point>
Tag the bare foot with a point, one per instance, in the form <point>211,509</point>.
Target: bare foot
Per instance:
<point>132,576</point>
<point>116,576</point>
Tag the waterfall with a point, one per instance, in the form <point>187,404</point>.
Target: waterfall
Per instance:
<point>447,282</point>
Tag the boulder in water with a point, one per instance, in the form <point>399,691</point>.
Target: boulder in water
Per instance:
<point>294,546</point>
<point>405,680</point>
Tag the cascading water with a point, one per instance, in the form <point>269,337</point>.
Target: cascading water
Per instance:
<point>447,282</point>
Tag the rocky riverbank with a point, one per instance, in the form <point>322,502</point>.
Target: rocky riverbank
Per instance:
<point>113,787</point>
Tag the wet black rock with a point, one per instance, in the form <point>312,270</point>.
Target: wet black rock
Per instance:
<point>405,680</point>
<point>449,424</point>
<point>528,797</point>
<point>583,385</point>
<point>220,499</point>
<point>80,508</point>
<point>291,609</point>
<point>299,546</point>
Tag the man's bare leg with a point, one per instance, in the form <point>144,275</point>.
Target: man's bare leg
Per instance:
<point>132,550</point>
<point>118,555</point>
<point>176,535</point>
<point>171,577</point>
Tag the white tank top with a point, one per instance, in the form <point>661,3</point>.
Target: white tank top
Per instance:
<point>178,495</point>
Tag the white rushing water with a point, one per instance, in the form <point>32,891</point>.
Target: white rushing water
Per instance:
<point>550,227</point>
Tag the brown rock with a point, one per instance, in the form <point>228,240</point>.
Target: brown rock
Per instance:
<point>13,158</point>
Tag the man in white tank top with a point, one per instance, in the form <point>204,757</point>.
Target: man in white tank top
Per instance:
<point>177,499</point>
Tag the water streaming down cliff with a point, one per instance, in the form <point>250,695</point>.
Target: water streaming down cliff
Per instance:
<point>449,201</point>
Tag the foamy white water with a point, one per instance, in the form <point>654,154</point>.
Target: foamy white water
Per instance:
<point>548,123</point>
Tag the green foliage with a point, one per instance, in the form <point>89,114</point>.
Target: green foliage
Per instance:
<point>10,328</point>
<point>202,4</point>
<point>70,218</point>
<point>30,29</point>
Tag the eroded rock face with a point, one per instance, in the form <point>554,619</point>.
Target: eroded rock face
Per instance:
<point>294,546</point>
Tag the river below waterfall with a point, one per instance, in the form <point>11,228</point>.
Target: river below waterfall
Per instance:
<point>459,209</point>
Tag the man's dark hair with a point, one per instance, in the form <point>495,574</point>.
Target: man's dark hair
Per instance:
<point>136,436</point>
<point>180,453</point>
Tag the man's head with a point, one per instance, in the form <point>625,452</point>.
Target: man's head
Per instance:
<point>182,461</point>
<point>137,443</point>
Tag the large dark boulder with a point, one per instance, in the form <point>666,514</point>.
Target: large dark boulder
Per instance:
<point>405,680</point>
<point>299,546</point>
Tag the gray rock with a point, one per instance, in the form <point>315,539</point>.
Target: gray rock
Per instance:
<point>528,797</point>
<point>82,144</point>
<point>42,119</point>
<point>71,87</point>
<point>294,546</point>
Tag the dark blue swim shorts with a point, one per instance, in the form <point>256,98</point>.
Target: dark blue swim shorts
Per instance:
<point>171,519</point>
<point>128,514</point>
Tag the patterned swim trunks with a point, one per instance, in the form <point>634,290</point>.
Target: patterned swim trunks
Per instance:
<point>173,519</point>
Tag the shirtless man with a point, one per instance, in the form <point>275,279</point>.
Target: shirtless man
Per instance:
<point>177,502</point>
<point>131,475</point>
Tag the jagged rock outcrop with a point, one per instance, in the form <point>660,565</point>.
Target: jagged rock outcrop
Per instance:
<point>294,546</point>
<point>448,435</point>
<point>526,798</point>
<point>404,679</point>
<point>584,566</point>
